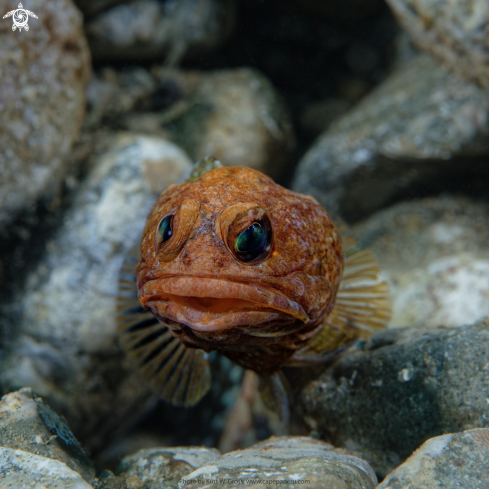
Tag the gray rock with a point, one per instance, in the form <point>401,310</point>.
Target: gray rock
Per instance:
<point>285,459</point>
<point>61,327</point>
<point>434,254</point>
<point>445,462</point>
<point>455,32</point>
<point>158,466</point>
<point>148,29</point>
<point>43,74</point>
<point>235,115</point>
<point>27,424</point>
<point>25,470</point>
<point>387,396</point>
<point>422,128</point>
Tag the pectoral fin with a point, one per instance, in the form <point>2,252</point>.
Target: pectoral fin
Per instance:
<point>178,374</point>
<point>362,307</point>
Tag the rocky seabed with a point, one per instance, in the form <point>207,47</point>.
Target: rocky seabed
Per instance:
<point>379,110</point>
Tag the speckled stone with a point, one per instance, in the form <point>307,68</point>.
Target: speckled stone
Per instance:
<point>25,470</point>
<point>454,31</point>
<point>422,130</point>
<point>445,462</point>
<point>388,395</point>
<point>293,459</point>
<point>149,29</point>
<point>30,425</point>
<point>157,467</point>
<point>434,254</point>
<point>61,328</point>
<point>43,75</point>
<point>234,115</point>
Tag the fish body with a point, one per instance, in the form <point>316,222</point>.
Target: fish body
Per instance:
<point>231,261</point>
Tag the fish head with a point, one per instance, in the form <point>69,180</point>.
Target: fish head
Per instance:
<point>234,254</point>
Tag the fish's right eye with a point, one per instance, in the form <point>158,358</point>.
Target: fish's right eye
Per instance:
<point>164,230</point>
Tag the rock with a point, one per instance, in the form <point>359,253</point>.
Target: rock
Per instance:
<point>445,462</point>
<point>285,459</point>
<point>421,130</point>
<point>454,32</point>
<point>434,254</point>
<point>43,74</point>
<point>385,397</point>
<point>148,29</point>
<point>165,465</point>
<point>165,425</point>
<point>61,327</point>
<point>27,424</point>
<point>29,471</point>
<point>235,115</point>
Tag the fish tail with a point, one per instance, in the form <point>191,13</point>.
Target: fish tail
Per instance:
<point>178,374</point>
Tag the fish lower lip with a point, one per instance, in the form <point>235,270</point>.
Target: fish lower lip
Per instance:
<point>216,304</point>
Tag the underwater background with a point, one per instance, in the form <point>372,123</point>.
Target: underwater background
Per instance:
<point>378,109</point>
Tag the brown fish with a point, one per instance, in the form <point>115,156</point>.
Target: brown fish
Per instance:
<point>231,261</point>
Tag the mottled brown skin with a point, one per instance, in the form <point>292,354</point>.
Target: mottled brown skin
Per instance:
<point>258,315</point>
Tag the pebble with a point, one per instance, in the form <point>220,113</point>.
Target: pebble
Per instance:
<point>450,461</point>
<point>25,470</point>
<point>234,115</point>
<point>413,133</point>
<point>43,75</point>
<point>165,465</point>
<point>61,329</point>
<point>237,116</point>
<point>280,459</point>
<point>28,426</point>
<point>387,396</point>
<point>434,254</point>
<point>454,32</point>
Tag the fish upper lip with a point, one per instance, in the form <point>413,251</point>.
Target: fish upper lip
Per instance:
<point>211,288</point>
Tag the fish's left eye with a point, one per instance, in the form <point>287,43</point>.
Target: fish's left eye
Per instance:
<point>251,243</point>
<point>246,231</point>
<point>164,231</point>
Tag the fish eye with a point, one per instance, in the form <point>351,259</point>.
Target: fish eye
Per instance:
<point>246,231</point>
<point>251,243</point>
<point>174,228</point>
<point>164,230</point>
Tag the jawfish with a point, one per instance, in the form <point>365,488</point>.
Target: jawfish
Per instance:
<point>232,261</point>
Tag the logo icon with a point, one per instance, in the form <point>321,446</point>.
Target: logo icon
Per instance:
<point>20,18</point>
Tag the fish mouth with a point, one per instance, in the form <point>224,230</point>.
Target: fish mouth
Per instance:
<point>210,305</point>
